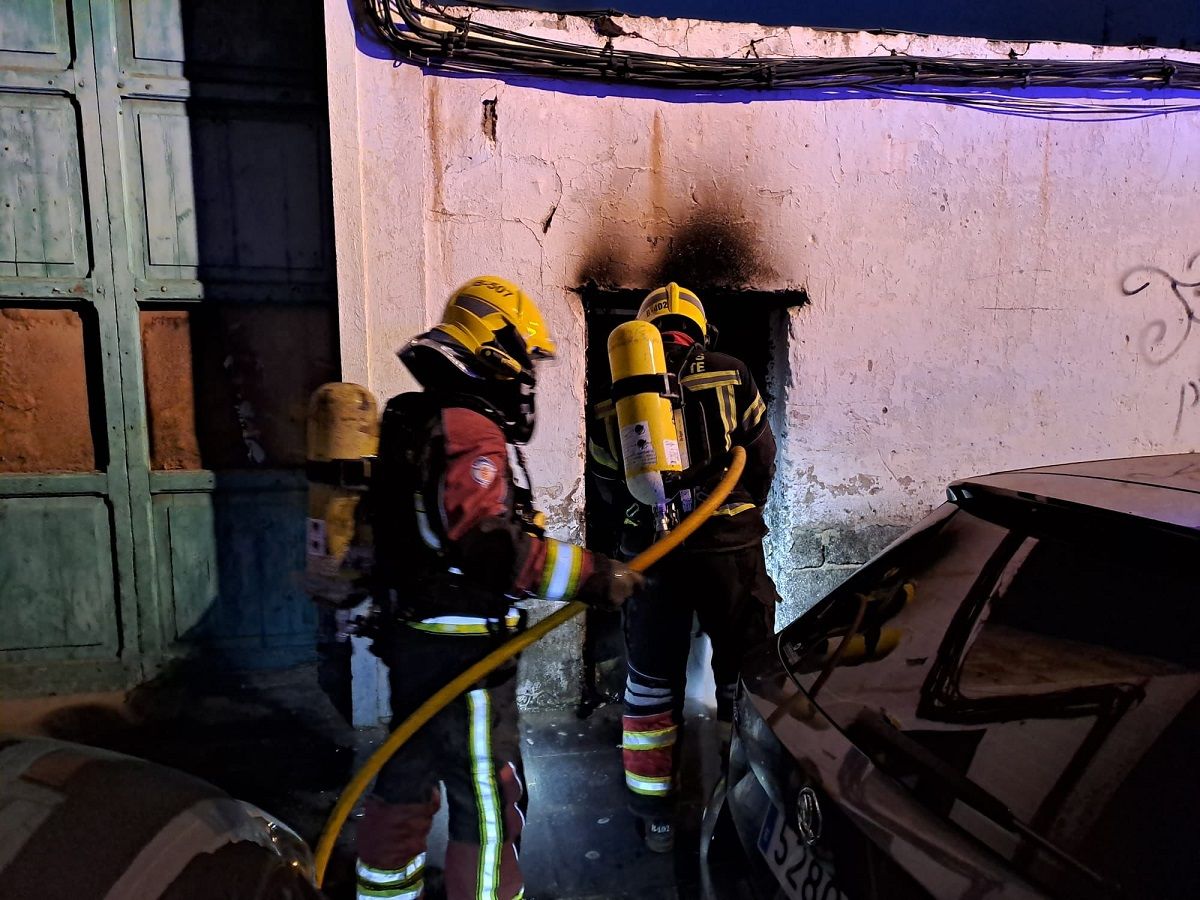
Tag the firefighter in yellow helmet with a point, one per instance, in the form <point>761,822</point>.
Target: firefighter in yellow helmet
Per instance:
<point>718,575</point>
<point>456,549</point>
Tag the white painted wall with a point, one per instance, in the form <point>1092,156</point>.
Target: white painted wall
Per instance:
<point>965,267</point>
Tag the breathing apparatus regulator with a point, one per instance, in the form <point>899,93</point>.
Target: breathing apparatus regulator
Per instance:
<point>657,456</point>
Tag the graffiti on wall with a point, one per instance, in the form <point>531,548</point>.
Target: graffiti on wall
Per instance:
<point>1170,338</point>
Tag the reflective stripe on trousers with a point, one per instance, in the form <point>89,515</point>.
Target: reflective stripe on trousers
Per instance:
<point>405,883</point>
<point>487,794</point>
<point>658,786</point>
<point>647,695</point>
<point>648,751</point>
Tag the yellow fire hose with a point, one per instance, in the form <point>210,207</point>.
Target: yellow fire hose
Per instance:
<point>491,662</point>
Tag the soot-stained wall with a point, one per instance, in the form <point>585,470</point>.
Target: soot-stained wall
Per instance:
<point>972,276</point>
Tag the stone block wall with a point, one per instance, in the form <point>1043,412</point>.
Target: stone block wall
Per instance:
<point>810,561</point>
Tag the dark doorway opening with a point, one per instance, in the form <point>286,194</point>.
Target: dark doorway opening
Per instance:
<point>751,325</point>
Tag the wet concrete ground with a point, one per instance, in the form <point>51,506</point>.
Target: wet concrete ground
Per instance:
<point>580,842</point>
<point>581,838</point>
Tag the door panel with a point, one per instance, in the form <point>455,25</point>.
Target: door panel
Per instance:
<point>163,237</point>
<point>34,34</point>
<point>229,572</point>
<point>187,554</point>
<point>66,597</point>
<point>256,520</point>
<point>42,228</point>
<point>226,246</point>
<point>66,553</point>
<point>156,31</point>
<point>263,223</point>
<point>244,42</point>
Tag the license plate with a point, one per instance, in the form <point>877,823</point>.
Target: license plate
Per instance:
<point>803,872</point>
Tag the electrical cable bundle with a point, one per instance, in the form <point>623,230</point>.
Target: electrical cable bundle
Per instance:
<point>431,37</point>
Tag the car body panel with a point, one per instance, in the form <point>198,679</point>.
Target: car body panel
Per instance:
<point>966,751</point>
<point>84,822</point>
<point>855,794</point>
<point>1161,489</point>
<point>1178,471</point>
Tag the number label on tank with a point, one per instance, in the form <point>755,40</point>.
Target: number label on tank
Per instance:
<point>671,454</point>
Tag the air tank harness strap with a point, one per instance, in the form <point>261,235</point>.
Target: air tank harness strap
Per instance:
<point>664,384</point>
<point>347,473</point>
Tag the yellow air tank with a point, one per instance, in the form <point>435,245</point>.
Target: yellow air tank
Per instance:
<point>343,437</point>
<point>641,391</point>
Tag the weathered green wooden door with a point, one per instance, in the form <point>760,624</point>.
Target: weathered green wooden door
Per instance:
<point>67,572</point>
<point>170,226</point>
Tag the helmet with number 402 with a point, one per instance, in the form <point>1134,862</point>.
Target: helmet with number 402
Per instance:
<point>675,308</point>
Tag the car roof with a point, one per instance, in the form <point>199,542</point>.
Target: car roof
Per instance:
<point>1158,488</point>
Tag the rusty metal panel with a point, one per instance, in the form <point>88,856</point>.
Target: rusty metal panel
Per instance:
<point>45,414</point>
<point>56,575</point>
<point>42,227</point>
<point>227,384</point>
<point>256,366</point>
<point>170,389</point>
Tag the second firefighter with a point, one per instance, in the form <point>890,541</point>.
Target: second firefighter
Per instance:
<point>718,576</point>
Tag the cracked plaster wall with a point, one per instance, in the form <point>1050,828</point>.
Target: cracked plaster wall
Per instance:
<point>965,268</point>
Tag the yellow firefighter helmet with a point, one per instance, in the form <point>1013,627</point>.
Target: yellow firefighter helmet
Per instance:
<point>675,308</point>
<point>496,324</point>
<point>486,345</point>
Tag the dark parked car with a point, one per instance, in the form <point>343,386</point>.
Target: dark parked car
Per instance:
<point>84,823</point>
<point>1005,702</point>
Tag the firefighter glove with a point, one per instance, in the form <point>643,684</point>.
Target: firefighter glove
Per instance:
<point>610,584</point>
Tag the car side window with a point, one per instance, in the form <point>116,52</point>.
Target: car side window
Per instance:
<point>1081,669</point>
<point>885,623</point>
<point>1035,684</point>
<point>1062,617</point>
